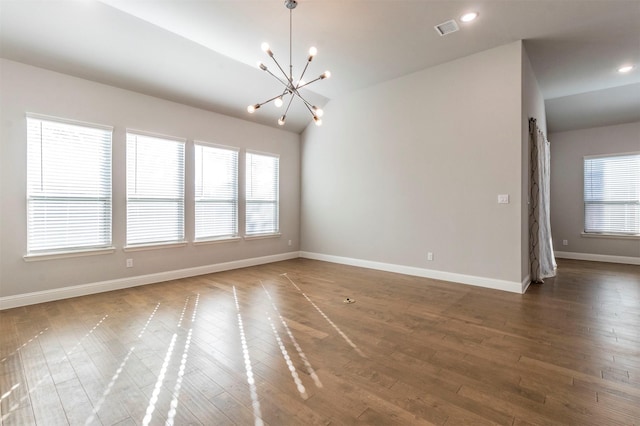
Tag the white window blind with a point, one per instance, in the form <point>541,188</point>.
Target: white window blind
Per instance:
<point>612,194</point>
<point>262,188</point>
<point>216,191</point>
<point>155,189</point>
<point>68,185</point>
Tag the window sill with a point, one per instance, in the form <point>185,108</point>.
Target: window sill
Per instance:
<point>613,236</point>
<point>142,247</point>
<point>216,240</point>
<point>34,257</point>
<point>262,236</point>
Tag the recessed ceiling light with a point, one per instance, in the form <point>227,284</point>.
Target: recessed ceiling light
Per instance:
<point>625,69</point>
<point>468,17</point>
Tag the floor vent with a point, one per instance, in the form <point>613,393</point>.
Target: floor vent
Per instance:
<point>447,27</point>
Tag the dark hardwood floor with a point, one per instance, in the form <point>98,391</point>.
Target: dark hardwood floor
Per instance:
<point>277,345</point>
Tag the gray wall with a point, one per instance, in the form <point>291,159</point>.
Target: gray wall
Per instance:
<point>29,89</point>
<point>415,165</point>
<point>567,208</point>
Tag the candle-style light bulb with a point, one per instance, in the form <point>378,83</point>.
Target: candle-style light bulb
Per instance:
<point>266,49</point>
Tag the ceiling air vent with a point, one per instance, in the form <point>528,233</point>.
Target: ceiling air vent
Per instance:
<point>447,27</point>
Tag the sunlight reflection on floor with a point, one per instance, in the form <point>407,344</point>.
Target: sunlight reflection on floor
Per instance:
<point>24,345</point>
<point>163,371</point>
<point>6,394</point>
<point>156,390</point>
<point>301,353</point>
<point>180,335</point>
<point>173,408</point>
<point>114,378</point>
<point>85,336</point>
<point>287,359</point>
<point>33,388</point>
<point>340,332</point>
<point>257,414</point>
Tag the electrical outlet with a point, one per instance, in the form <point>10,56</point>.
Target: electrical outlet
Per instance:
<point>503,199</point>
<point>429,256</point>
<point>565,242</point>
<point>129,263</point>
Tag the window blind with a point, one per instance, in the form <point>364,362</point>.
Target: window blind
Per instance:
<point>612,194</point>
<point>262,193</point>
<point>155,189</point>
<point>68,185</point>
<point>216,191</point>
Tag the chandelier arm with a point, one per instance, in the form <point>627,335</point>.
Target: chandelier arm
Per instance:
<point>308,83</point>
<point>278,78</point>
<point>269,100</point>
<point>306,103</point>
<point>280,68</point>
<point>288,106</point>
<point>309,108</point>
<point>304,71</point>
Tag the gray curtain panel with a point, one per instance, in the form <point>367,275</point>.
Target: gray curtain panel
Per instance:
<point>541,259</point>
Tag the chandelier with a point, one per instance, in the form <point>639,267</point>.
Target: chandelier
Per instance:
<point>291,87</point>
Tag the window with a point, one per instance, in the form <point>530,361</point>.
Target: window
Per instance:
<point>155,189</point>
<point>262,194</point>
<point>68,185</point>
<point>612,194</point>
<point>216,191</point>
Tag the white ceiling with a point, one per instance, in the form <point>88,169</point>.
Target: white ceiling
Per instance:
<point>203,52</point>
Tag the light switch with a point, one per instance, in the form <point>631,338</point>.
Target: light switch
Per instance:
<point>503,198</point>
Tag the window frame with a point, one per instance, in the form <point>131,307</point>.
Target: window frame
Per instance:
<point>604,234</point>
<point>182,202</point>
<point>236,201</point>
<point>260,235</point>
<point>103,226</point>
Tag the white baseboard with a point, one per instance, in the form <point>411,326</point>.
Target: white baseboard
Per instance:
<point>525,283</point>
<point>598,257</point>
<point>511,286</point>
<point>25,299</point>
